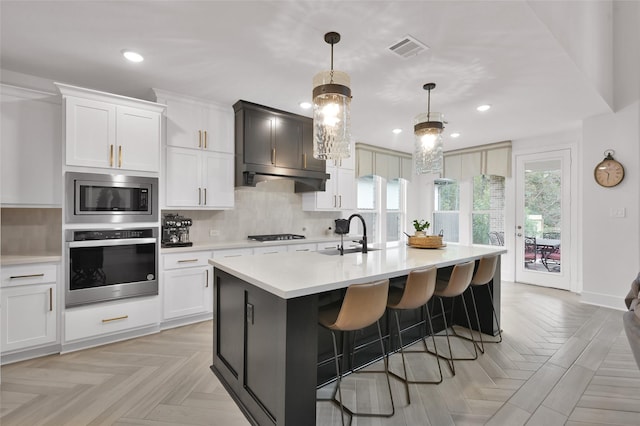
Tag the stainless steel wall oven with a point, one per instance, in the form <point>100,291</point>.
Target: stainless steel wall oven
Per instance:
<point>108,264</point>
<point>106,198</point>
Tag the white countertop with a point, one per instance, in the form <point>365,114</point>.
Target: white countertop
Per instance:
<point>293,274</point>
<point>250,244</point>
<point>25,260</point>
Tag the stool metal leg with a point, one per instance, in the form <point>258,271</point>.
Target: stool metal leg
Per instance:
<point>495,316</point>
<point>405,379</point>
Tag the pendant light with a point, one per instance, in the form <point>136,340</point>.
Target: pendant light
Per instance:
<point>331,111</point>
<point>428,138</point>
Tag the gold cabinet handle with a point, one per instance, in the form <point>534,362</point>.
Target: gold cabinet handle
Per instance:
<point>13,277</point>
<point>207,286</point>
<point>111,155</point>
<point>205,140</point>
<point>187,260</point>
<point>199,196</point>
<point>50,299</point>
<point>273,156</point>
<point>205,195</point>
<point>340,198</point>
<point>199,138</point>
<point>120,156</point>
<point>115,319</point>
<point>304,161</point>
<point>335,201</point>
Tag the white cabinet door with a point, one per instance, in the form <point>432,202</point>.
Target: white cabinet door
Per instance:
<point>28,316</point>
<point>183,174</point>
<point>90,133</point>
<point>31,135</point>
<point>219,127</point>
<point>346,189</point>
<point>187,291</point>
<point>183,123</point>
<point>217,180</point>
<point>138,138</point>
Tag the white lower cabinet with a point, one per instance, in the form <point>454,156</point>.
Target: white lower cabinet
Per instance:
<point>269,249</point>
<point>102,319</point>
<point>29,306</point>
<point>302,247</point>
<point>219,254</point>
<point>187,285</point>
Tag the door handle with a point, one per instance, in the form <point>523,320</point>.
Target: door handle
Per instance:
<point>115,319</point>
<point>273,156</point>
<point>111,155</point>
<point>13,277</point>
<point>519,234</point>
<point>50,299</point>
<point>199,196</point>
<point>207,286</point>
<point>205,140</point>
<point>120,156</point>
<point>304,161</point>
<point>205,190</point>
<point>340,198</point>
<point>199,138</point>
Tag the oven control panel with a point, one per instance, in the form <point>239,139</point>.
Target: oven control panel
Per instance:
<point>112,234</point>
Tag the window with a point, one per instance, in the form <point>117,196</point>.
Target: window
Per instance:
<point>446,216</point>
<point>487,216</point>
<point>395,209</point>
<point>368,205</point>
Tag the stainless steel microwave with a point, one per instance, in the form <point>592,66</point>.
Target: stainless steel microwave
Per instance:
<point>107,198</point>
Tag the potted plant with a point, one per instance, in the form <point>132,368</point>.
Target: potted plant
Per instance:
<point>421,226</point>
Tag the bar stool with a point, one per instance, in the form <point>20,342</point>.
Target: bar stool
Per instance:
<point>458,282</point>
<point>418,290</point>
<point>362,306</point>
<point>482,277</point>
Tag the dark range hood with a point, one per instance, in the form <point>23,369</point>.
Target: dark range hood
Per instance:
<point>274,144</point>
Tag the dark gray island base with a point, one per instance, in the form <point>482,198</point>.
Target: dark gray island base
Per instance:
<point>271,355</point>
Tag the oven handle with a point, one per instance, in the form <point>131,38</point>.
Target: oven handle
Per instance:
<point>102,243</point>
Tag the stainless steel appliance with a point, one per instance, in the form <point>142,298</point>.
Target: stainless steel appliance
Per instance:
<point>106,198</point>
<point>175,231</point>
<point>276,237</point>
<point>108,264</point>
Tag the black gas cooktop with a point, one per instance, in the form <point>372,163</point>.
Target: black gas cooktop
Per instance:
<point>276,237</point>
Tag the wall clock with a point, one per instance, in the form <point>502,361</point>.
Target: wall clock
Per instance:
<point>609,172</point>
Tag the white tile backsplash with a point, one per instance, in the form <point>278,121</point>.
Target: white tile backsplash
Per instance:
<point>270,208</point>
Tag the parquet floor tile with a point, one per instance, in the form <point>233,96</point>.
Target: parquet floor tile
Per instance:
<point>561,363</point>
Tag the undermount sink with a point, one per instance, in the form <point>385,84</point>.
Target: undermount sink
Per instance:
<point>334,252</point>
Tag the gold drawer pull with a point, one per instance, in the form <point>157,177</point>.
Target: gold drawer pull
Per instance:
<point>111,155</point>
<point>26,276</point>
<point>115,319</point>
<point>304,161</point>
<point>199,138</point>
<point>187,260</point>
<point>120,156</point>
<point>207,286</point>
<point>205,139</point>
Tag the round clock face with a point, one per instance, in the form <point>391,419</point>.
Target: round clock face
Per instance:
<point>609,173</point>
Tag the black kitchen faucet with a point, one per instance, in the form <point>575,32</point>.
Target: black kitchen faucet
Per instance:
<point>342,227</point>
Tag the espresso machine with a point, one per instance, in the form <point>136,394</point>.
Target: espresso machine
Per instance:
<point>175,231</point>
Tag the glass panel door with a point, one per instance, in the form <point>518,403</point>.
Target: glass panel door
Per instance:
<point>542,219</point>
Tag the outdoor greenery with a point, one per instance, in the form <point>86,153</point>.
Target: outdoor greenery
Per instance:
<point>543,200</point>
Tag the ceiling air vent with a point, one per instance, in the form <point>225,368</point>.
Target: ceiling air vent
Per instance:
<point>408,47</point>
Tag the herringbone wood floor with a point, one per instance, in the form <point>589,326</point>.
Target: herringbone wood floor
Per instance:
<point>561,362</point>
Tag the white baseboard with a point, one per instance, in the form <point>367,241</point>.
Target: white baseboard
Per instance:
<point>603,300</point>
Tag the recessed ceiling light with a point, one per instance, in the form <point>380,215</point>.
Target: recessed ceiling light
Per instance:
<point>483,108</point>
<point>132,56</point>
<point>455,135</point>
<point>305,105</point>
<point>397,131</point>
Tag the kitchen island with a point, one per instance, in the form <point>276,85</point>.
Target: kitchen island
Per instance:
<point>265,335</point>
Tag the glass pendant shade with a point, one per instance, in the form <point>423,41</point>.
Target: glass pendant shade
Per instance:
<point>331,115</point>
<point>428,155</point>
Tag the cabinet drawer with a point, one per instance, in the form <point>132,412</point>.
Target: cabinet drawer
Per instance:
<point>28,274</point>
<point>302,247</point>
<point>328,246</point>
<point>185,260</point>
<point>101,319</point>
<point>269,249</point>
<point>219,254</point>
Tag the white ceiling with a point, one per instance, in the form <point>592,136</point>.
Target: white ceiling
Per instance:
<point>496,52</point>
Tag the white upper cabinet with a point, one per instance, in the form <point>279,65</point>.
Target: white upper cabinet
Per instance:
<point>196,123</point>
<point>340,189</point>
<point>110,131</point>
<point>31,148</point>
